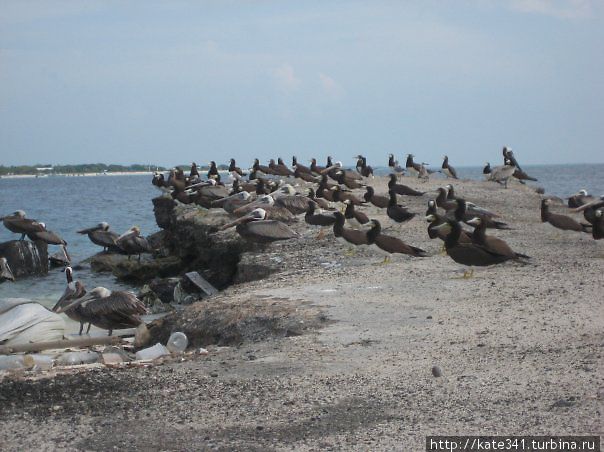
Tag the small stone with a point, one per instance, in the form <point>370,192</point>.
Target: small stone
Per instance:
<point>436,371</point>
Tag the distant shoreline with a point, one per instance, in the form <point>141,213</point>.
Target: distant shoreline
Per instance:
<point>108,173</point>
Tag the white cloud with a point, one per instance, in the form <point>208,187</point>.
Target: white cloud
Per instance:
<point>286,78</point>
<point>330,86</point>
<point>564,9</point>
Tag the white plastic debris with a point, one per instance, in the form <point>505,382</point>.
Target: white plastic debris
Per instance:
<point>8,362</point>
<point>38,361</point>
<point>73,358</point>
<point>177,343</point>
<point>151,353</point>
<point>23,322</point>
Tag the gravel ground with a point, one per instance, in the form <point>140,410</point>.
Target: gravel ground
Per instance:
<point>519,347</point>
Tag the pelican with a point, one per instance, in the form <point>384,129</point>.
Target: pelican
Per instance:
<point>256,228</point>
<point>501,174</point>
<point>579,199</point>
<point>101,235</point>
<point>46,236</point>
<point>108,310</point>
<point>133,243</point>
<point>5,272</point>
<point>73,291</point>
<point>18,224</point>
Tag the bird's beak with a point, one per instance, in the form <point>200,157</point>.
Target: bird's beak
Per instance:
<point>128,233</point>
<point>474,221</point>
<point>74,303</point>
<point>430,218</point>
<point>441,226</point>
<point>6,272</point>
<point>86,231</point>
<point>236,222</point>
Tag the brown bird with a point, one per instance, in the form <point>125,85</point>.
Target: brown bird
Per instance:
<point>401,189</point>
<point>46,236</point>
<point>108,310</point>
<point>397,212</point>
<point>389,244</point>
<point>256,227</point>
<point>73,291</point>
<point>350,213</point>
<point>435,220</point>
<point>377,200</point>
<point>493,244</point>
<point>340,195</point>
<point>345,235</point>
<point>18,224</point>
<point>561,221</point>
<point>301,168</point>
<point>318,219</point>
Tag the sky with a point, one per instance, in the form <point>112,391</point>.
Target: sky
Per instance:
<point>168,82</point>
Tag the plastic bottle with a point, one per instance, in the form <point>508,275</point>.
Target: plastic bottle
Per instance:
<point>177,343</point>
<point>72,358</point>
<point>38,361</point>
<point>8,362</point>
<point>148,354</point>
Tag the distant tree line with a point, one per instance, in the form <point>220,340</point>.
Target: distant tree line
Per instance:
<point>75,169</point>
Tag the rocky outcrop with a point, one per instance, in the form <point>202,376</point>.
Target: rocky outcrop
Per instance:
<point>25,258</point>
<point>132,270</point>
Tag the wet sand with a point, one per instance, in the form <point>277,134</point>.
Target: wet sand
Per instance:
<point>519,346</point>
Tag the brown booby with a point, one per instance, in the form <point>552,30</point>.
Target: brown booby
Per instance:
<point>131,242</point>
<point>377,200</point>
<point>346,235</point>
<point>350,213</point>
<point>493,244</point>
<point>318,219</point>
<point>235,170</point>
<point>18,224</point>
<point>340,195</point>
<point>306,177</point>
<point>101,235</point>
<point>6,273</point>
<point>469,254</point>
<point>394,166</point>
<point>362,168</point>
<point>561,221</point>
<point>263,169</point>
<point>397,212</point>
<point>321,202</point>
<point>340,178</point>
<point>316,168</point>
<point>299,167</point>
<point>108,310</point>
<point>73,291</point>
<point>389,244</point>
<point>256,227</point>
<point>401,189</point>
<point>447,169</point>
<point>279,168</point>
<point>213,171</point>
<point>435,220</point>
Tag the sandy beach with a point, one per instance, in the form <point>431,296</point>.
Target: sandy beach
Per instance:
<point>108,173</point>
<point>519,347</point>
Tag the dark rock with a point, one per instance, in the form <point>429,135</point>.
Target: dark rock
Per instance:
<point>436,371</point>
<point>25,258</point>
<point>162,208</point>
<point>164,288</point>
<point>132,270</point>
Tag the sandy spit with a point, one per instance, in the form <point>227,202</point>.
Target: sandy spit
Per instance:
<point>519,347</point>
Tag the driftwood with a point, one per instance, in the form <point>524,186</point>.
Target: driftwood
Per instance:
<point>67,343</point>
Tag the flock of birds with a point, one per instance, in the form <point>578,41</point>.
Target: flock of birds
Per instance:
<point>263,206</point>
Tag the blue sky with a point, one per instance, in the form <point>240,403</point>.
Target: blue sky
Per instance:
<point>175,81</point>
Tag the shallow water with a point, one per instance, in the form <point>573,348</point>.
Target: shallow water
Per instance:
<point>69,203</point>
